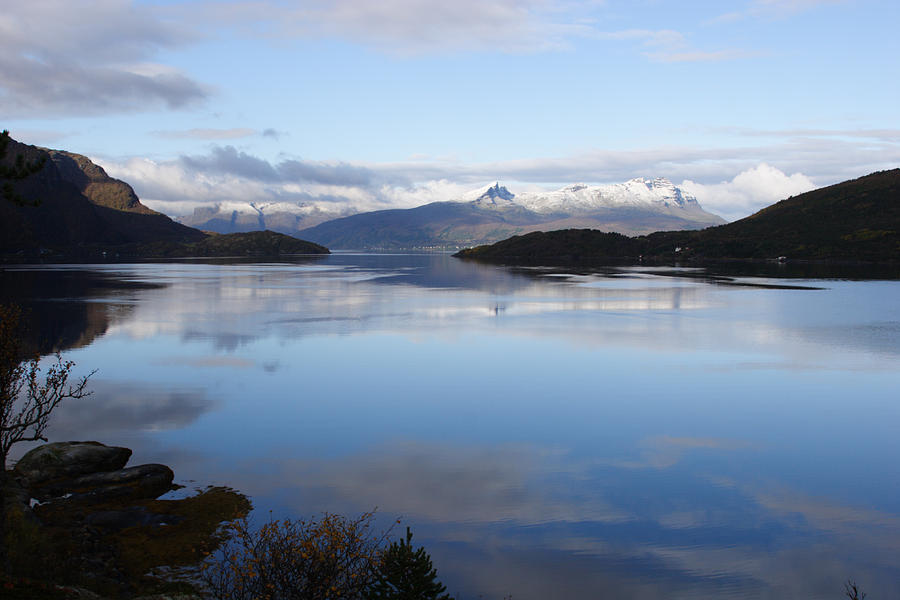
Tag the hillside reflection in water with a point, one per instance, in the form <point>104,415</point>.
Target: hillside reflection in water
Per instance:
<point>634,433</point>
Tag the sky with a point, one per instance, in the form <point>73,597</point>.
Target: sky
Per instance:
<point>397,103</point>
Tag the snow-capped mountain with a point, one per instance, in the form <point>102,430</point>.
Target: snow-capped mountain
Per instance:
<point>658,195</point>
<point>483,215</point>
<point>494,195</point>
<point>492,213</point>
<point>654,194</point>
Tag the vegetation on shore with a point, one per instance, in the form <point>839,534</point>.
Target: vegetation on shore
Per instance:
<point>253,243</point>
<point>328,558</point>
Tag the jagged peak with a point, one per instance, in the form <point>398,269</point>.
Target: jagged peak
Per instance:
<point>652,182</point>
<point>490,194</point>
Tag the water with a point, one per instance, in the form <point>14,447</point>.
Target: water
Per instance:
<point>634,433</point>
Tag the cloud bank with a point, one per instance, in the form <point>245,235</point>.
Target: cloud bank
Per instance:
<point>420,27</point>
<point>61,58</point>
<point>409,26</point>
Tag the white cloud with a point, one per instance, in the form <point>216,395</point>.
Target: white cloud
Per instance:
<point>409,26</point>
<point>787,7</point>
<point>667,45</point>
<point>61,58</point>
<point>178,187</point>
<point>771,9</point>
<point>415,27</point>
<point>208,134</point>
<point>697,55</point>
<point>749,191</point>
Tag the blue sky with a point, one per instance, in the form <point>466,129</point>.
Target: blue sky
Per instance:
<point>402,102</point>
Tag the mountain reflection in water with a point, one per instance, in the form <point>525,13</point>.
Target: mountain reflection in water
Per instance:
<point>633,432</point>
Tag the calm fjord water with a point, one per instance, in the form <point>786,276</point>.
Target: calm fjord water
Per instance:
<point>637,433</point>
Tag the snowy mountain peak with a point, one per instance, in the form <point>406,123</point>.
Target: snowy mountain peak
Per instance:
<point>646,195</point>
<point>643,193</point>
<point>494,194</point>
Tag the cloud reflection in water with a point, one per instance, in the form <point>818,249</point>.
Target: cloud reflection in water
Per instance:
<point>558,523</point>
<point>568,435</point>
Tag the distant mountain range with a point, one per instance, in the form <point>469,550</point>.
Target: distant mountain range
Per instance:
<point>56,202</point>
<point>234,216</point>
<point>856,220</point>
<point>493,213</point>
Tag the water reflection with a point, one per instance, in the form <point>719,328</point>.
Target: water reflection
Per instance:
<point>541,521</point>
<point>129,407</point>
<point>59,307</point>
<point>634,432</point>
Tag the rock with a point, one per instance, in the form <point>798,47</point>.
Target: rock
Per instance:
<point>134,483</point>
<point>68,460</point>
<point>15,499</point>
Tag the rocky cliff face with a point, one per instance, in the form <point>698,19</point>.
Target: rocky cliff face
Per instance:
<point>73,203</point>
<point>93,182</point>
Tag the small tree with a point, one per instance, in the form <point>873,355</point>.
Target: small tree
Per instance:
<point>27,399</point>
<point>407,574</point>
<point>326,559</point>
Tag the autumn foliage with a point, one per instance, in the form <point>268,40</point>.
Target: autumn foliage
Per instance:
<point>333,557</point>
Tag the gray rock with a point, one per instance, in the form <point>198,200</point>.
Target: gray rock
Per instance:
<point>68,460</point>
<point>134,483</point>
<point>15,499</point>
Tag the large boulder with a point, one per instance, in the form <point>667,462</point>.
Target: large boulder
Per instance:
<point>135,483</point>
<point>68,460</point>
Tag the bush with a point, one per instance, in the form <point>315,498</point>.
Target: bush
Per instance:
<point>331,558</point>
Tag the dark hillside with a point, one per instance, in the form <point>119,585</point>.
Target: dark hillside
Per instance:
<point>54,212</point>
<point>61,204</point>
<point>565,246</point>
<point>435,224</point>
<point>853,220</point>
<point>71,202</point>
<point>251,243</point>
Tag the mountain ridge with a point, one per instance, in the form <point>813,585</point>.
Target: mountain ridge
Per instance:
<point>856,220</point>
<point>486,215</point>
<point>641,205</point>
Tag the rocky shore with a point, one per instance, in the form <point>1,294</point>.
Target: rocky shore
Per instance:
<point>76,515</point>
